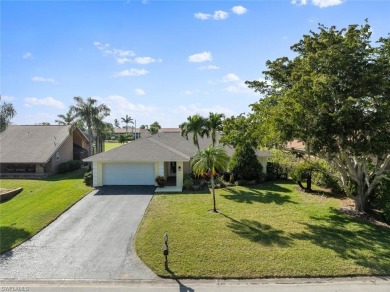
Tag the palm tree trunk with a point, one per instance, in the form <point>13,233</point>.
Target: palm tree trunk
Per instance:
<point>213,191</point>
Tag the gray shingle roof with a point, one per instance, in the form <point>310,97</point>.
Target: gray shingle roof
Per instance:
<point>160,147</point>
<point>31,144</point>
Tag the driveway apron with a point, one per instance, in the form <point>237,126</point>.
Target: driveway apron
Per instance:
<point>92,240</point>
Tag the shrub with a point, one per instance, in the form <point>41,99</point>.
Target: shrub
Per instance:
<point>188,182</point>
<point>383,197</point>
<point>275,171</point>
<point>68,166</point>
<point>88,178</point>
<point>244,164</point>
<point>160,180</point>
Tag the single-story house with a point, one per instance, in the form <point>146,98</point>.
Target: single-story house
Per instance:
<point>136,132</point>
<point>165,154</point>
<point>36,150</point>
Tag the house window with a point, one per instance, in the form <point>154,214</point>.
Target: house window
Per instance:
<point>58,155</point>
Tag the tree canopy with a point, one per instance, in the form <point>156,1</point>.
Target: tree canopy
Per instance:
<point>334,96</point>
<point>7,112</point>
<point>92,115</point>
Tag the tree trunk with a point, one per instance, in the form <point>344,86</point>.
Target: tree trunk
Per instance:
<point>308,183</point>
<point>90,137</point>
<point>214,203</point>
<point>360,203</point>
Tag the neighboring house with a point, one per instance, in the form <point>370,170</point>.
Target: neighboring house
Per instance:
<point>137,133</point>
<point>36,151</point>
<point>165,154</point>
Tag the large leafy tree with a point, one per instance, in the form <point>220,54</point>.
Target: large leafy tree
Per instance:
<point>335,96</point>
<point>127,120</point>
<point>239,131</point>
<point>91,114</point>
<point>214,125</point>
<point>208,161</point>
<point>7,112</point>
<point>197,125</point>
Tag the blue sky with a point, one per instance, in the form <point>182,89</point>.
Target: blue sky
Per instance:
<point>155,60</point>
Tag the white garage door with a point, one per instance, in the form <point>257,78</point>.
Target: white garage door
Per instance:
<point>128,174</point>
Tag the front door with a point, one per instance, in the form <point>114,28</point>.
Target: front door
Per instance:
<point>172,168</point>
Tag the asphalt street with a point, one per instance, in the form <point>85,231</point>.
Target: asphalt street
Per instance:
<point>92,240</point>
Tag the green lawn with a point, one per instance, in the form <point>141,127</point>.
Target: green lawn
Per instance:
<point>266,231</point>
<point>40,202</point>
<point>111,145</point>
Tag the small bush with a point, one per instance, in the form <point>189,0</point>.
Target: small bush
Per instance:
<point>275,171</point>
<point>69,166</point>
<point>160,180</point>
<point>383,197</point>
<point>188,182</point>
<point>240,182</point>
<point>88,178</point>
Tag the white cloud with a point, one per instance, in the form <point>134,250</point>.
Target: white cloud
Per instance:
<point>299,2</point>
<point>47,101</point>
<point>139,91</point>
<point>121,56</point>
<point>208,67</point>
<point>120,106</point>
<point>131,72</point>
<point>186,110</point>
<point>218,15</point>
<point>43,79</point>
<point>123,60</point>
<point>231,77</point>
<point>146,60</point>
<point>27,55</point>
<point>319,3</point>
<point>239,87</point>
<point>200,57</point>
<point>6,98</point>
<point>202,16</point>
<point>239,10</point>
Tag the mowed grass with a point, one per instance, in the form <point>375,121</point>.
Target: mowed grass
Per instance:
<point>111,145</point>
<point>266,231</point>
<point>40,202</point>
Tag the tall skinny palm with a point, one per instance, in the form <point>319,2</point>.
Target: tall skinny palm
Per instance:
<point>214,125</point>
<point>127,120</point>
<point>207,161</point>
<point>88,112</point>
<point>196,125</point>
<point>67,119</point>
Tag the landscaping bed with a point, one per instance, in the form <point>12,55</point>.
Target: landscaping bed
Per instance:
<point>262,231</point>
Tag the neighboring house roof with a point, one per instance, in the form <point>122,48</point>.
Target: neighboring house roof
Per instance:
<point>31,143</point>
<point>296,145</point>
<point>129,130</point>
<point>166,146</point>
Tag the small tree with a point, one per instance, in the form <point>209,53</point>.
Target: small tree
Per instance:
<point>207,161</point>
<point>7,112</point>
<point>153,128</point>
<point>244,164</point>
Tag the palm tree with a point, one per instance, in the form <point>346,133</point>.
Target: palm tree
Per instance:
<point>207,161</point>
<point>116,123</point>
<point>88,112</point>
<point>67,119</point>
<point>195,125</point>
<point>214,124</point>
<point>127,120</point>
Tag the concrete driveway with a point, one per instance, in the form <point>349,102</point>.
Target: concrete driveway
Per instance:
<point>92,240</point>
